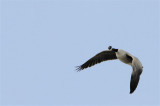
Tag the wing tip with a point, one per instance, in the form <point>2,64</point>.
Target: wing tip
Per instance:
<point>131,91</point>
<point>78,68</point>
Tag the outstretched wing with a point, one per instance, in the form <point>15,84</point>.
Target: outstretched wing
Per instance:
<point>137,70</point>
<point>100,57</point>
<point>135,78</point>
<point>134,81</point>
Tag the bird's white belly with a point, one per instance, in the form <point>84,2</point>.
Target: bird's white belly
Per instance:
<point>122,57</point>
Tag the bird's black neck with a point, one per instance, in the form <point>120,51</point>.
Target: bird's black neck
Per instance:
<point>115,50</point>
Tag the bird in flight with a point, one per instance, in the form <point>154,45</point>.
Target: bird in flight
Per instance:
<point>123,56</point>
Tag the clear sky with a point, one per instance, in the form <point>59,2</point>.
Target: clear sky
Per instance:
<point>43,40</point>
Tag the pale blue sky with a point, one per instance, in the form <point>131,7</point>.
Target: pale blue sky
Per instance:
<point>43,40</point>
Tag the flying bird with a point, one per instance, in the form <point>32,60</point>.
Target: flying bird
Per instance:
<point>123,56</point>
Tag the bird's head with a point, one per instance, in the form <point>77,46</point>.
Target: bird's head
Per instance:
<point>112,49</point>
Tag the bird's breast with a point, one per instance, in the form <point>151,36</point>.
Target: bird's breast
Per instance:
<point>123,58</point>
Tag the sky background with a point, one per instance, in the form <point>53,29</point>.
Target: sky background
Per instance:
<point>43,40</point>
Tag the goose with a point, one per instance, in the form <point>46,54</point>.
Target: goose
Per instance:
<point>123,56</point>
